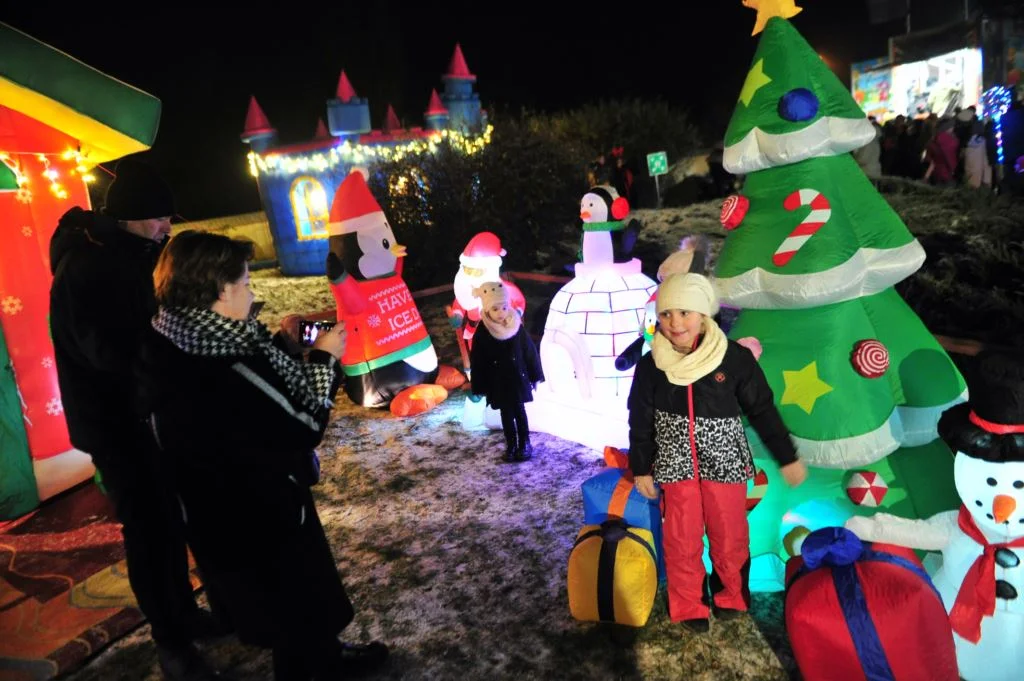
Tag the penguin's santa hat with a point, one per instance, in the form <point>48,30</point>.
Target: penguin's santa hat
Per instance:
<point>991,425</point>
<point>483,252</point>
<point>354,207</point>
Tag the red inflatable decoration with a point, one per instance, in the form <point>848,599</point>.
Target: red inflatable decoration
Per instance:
<point>57,118</point>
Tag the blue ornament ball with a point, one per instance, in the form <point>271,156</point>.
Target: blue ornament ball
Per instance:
<point>798,105</point>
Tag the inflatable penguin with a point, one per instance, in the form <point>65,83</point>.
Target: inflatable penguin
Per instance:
<point>607,238</point>
<point>388,348</point>
<point>981,579</point>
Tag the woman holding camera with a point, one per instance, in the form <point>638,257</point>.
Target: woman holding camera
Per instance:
<point>236,419</point>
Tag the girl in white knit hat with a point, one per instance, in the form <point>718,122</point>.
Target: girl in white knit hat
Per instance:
<point>686,434</point>
<point>506,368</point>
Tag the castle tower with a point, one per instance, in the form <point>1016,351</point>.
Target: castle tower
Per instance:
<point>391,123</point>
<point>322,133</point>
<point>348,114</point>
<point>463,104</point>
<point>258,132</point>
<point>436,116</point>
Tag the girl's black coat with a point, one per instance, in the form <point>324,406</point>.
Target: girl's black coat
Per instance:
<point>737,387</point>
<point>505,371</point>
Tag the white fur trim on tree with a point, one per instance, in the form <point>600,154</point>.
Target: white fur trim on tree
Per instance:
<point>827,136</point>
<point>867,272</point>
<point>357,223</point>
<point>905,427</point>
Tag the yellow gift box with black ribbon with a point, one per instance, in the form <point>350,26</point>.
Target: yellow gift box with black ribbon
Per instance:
<point>613,574</point>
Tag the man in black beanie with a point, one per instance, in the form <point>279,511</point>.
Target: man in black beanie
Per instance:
<point>101,302</point>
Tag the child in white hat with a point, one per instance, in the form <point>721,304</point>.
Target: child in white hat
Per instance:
<point>506,368</point>
<point>686,433</point>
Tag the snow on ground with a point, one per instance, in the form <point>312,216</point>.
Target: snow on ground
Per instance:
<point>459,561</point>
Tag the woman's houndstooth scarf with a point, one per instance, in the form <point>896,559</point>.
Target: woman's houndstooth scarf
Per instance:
<point>205,333</point>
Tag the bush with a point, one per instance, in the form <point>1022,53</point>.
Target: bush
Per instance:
<point>524,186</point>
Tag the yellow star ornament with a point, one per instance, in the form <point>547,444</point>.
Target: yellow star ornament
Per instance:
<point>756,79</point>
<point>803,388</point>
<point>766,9</point>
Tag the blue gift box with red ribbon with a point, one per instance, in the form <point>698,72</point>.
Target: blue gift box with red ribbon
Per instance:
<point>859,611</point>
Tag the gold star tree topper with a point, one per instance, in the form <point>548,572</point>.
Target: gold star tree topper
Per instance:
<point>766,9</point>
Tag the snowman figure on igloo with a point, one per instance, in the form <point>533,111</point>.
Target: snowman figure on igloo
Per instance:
<point>981,578</point>
<point>591,321</point>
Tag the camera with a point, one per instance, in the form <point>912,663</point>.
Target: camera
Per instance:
<point>309,331</point>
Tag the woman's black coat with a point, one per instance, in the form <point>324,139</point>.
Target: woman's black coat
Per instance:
<point>239,453</point>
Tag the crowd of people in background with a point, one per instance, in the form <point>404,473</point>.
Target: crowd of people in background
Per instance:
<point>962,149</point>
<point>957,150</point>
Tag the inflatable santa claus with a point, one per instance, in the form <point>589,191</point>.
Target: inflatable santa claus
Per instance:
<point>388,348</point>
<point>480,262</point>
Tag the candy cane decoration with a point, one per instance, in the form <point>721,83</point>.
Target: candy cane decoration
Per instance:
<point>821,212</point>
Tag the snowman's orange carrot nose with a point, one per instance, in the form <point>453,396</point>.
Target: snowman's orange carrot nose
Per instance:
<point>1003,507</point>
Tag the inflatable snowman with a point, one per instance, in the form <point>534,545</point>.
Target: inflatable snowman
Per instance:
<point>981,578</point>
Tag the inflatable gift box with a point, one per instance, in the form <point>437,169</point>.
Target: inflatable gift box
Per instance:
<point>613,577</point>
<point>612,494</point>
<point>865,612</point>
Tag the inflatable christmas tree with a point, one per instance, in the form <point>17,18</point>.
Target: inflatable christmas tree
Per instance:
<point>811,258</point>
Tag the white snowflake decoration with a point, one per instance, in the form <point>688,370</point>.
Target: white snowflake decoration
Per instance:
<point>54,407</point>
<point>11,305</point>
<point>373,320</point>
<point>47,362</point>
<point>24,195</point>
<point>26,230</point>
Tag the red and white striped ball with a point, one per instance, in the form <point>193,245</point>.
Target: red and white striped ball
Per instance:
<point>870,358</point>
<point>866,488</point>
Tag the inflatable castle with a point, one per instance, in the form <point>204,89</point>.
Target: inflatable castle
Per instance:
<point>58,118</point>
<point>297,181</point>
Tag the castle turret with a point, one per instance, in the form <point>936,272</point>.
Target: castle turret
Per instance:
<point>436,116</point>
<point>462,103</point>
<point>258,132</point>
<point>391,123</point>
<point>322,133</point>
<point>348,114</point>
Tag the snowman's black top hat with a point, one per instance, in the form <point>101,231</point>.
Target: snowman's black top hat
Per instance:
<point>991,425</point>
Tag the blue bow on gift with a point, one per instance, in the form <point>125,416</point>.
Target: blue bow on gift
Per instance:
<point>839,549</point>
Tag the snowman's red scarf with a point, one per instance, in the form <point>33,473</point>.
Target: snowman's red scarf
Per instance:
<point>977,596</point>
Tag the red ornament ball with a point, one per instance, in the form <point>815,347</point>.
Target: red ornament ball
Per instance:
<point>870,358</point>
<point>734,209</point>
<point>866,488</point>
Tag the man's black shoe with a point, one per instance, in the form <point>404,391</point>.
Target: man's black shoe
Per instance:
<point>185,664</point>
<point>205,626</point>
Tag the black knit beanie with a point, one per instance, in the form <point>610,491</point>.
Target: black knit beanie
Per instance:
<point>138,193</point>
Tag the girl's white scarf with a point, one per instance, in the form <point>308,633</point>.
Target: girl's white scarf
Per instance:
<point>684,369</point>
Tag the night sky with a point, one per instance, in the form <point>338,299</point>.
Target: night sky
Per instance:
<point>205,67</point>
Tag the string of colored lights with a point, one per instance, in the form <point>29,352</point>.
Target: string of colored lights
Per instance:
<point>50,173</point>
<point>355,154</point>
<point>994,103</point>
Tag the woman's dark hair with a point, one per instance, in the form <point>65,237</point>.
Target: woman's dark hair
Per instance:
<point>195,267</point>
